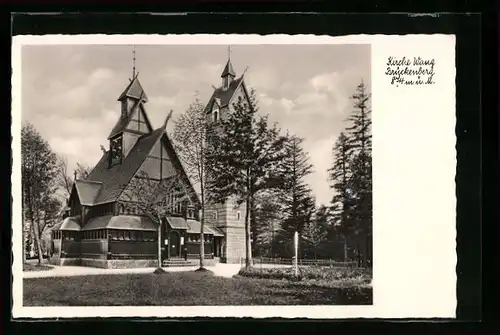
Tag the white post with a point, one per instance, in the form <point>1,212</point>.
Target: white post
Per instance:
<point>296,242</point>
<point>159,245</point>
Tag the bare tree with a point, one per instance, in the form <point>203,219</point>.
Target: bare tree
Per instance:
<point>82,171</point>
<point>190,140</point>
<point>149,195</point>
<point>64,179</point>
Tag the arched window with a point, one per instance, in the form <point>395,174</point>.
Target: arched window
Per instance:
<point>238,215</point>
<point>216,115</point>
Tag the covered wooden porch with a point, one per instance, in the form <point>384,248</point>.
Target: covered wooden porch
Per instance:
<point>180,239</point>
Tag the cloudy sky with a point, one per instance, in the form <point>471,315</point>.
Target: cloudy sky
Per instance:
<point>69,92</point>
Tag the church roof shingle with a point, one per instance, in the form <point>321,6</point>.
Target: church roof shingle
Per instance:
<point>134,90</point>
<point>122,122</point>
<point>228,70</point>
<point>223,95</point>
<point>195,228</point>
<point>70,223</point>
<point>177,222</point>
<point>127,222</point>
<point>87,191</point>
<point>115,179</point>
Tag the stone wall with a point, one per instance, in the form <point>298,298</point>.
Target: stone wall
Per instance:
<point>231,221</point>
<point>234,248</point>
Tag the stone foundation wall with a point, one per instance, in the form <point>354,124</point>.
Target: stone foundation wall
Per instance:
<point>65,261</point>
<point>120,263</point>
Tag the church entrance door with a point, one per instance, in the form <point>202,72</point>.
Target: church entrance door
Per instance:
<point>174,244</point>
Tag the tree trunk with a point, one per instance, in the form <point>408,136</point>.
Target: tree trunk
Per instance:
<point>159,244</point>
<point>202,239</point>
<point>37,241</point>
<point>346,249</point>
<point>248,242</point>
<point>24,240</point>
<point>358,254</point>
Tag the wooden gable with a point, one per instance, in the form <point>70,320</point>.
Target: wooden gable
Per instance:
<point>158,163</point>
<point>139,122</point>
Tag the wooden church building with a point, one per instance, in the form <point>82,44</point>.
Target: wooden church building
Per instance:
<point>105,224</point>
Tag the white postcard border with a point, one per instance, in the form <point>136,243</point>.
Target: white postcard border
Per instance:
<point>414,163</point>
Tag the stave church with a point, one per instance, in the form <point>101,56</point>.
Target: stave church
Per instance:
<point>103,225</point>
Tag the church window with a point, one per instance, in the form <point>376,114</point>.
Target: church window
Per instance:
<point>238,215</point>
<point>124,108</point>
<point>116,151</point>
<point>216,115</point>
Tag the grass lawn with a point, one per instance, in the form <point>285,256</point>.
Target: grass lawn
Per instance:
<point>36,267</point>
<point>183,289</point>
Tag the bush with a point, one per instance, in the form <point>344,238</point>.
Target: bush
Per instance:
<point>347,276</point>
<point>36,267</point>
<point>272,273</point>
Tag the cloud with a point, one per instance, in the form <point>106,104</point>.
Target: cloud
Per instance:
<point>263,79</point>
<point>321,158</point>
<point>287,104</point>
<point>326,82</point>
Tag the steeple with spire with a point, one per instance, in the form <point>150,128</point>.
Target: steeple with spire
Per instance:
<point>228,74</point>
<point>133,121</point>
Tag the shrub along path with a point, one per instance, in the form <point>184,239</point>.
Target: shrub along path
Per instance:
<point>183,289</point>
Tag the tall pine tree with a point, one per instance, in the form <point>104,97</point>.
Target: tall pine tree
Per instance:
<point>360,145</point>
<point>266,223</point>
<point>299,204</point>
<point>243,159</point>
<point>343,203</point>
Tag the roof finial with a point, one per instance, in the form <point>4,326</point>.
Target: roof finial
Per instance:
<point>74,174</point>
<point>167,118</point>
<point>244,71</point>
<point>228,52</point>
<point>133,60</point>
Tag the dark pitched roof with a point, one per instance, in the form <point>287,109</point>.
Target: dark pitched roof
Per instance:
<point>195,228</point>
<point>134,90</point>
<point>223,95</point>
<point>87,191</point>
<point>57,226</point>
<point>71,223</point>
<point>177,222</point>
<point>228,69</point>
<point>115,179</point>
<point>127,222</point>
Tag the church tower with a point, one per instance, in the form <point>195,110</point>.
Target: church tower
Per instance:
<point>229,217</point>
<point>132,123</point>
